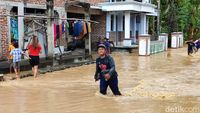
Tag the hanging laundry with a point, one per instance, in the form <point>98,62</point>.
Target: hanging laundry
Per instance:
<point>57,31</point>
<point>67,24</point>
<point>54,26</point>
<point>60,30</point>
<point>84,28</point>
<point>71,28</point>
<point>89,27</point>
<point>63,27</point>
<point>77,29</point>
<point>82,34</point>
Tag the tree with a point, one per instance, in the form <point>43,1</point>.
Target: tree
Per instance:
<point>193,20</point>
<point>181,15</point>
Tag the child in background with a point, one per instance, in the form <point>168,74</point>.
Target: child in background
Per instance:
<point>34,50</point>
<point>10,57</point>
<point>17,53</point>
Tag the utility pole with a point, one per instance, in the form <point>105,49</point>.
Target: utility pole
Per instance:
<point>87,17</point>
<point>158,19</point>
<point>50,38</point>
<point>66,27</point>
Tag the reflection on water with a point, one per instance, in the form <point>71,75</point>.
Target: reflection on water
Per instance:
<point>159,83</point>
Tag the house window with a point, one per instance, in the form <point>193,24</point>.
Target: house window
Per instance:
<point>123,23</point>
<point>150,1</point>
<point>117,0</point>
<point>116,23</point>
<point>138,19</point>
<point>112,22</point>
<point>138,0</point>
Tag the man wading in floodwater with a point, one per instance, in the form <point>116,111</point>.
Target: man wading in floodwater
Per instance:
<point>105,71</point>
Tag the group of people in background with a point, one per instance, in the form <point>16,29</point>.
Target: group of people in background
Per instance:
<point>15,55</point>
<point>193,46</point>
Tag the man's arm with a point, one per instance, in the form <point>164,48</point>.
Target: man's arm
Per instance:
<point>112,65</point>
<point>111,72</point>
<point>23,53</point>
<point>97,73</point>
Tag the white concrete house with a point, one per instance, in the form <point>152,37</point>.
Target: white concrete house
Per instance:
<point>127,19</point>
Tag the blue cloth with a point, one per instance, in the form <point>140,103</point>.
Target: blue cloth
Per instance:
<point>17,54</point>
<point>198,45</point>
<point>78,28</point>
<point>63,27</point>
<point>71,29</point>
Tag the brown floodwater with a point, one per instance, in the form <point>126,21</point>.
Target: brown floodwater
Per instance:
<point>167,82</point>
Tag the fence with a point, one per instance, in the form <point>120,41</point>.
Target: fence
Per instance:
<point>177,40</point>
<point>157,46</point>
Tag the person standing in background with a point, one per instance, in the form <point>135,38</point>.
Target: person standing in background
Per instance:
<point>34,50</point>
<point>17,54</point>
<point>191,45</point>
<point>10,57</point>
<point>107,44</point>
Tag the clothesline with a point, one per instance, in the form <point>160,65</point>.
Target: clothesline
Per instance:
<point>46,17</point>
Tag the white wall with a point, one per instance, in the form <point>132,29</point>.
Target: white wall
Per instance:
<point>120,22</point>
<point>108,22</point>
<point>114,25</point>
<point>127,24</point>
<point>146,1</point>
<point>21,24</point>
<point>143,24</point>
<point>132,25</point>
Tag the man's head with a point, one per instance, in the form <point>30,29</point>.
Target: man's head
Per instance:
<point>101,50</point>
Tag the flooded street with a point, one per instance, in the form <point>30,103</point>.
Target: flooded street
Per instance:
<point>162,83</point>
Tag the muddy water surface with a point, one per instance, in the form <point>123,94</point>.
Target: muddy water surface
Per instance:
<point>162,83</point>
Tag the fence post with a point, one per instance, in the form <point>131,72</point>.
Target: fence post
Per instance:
<point>144,45</point>
<point>164,37</point>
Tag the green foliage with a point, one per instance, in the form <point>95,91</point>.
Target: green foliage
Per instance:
<point>181,15</point>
